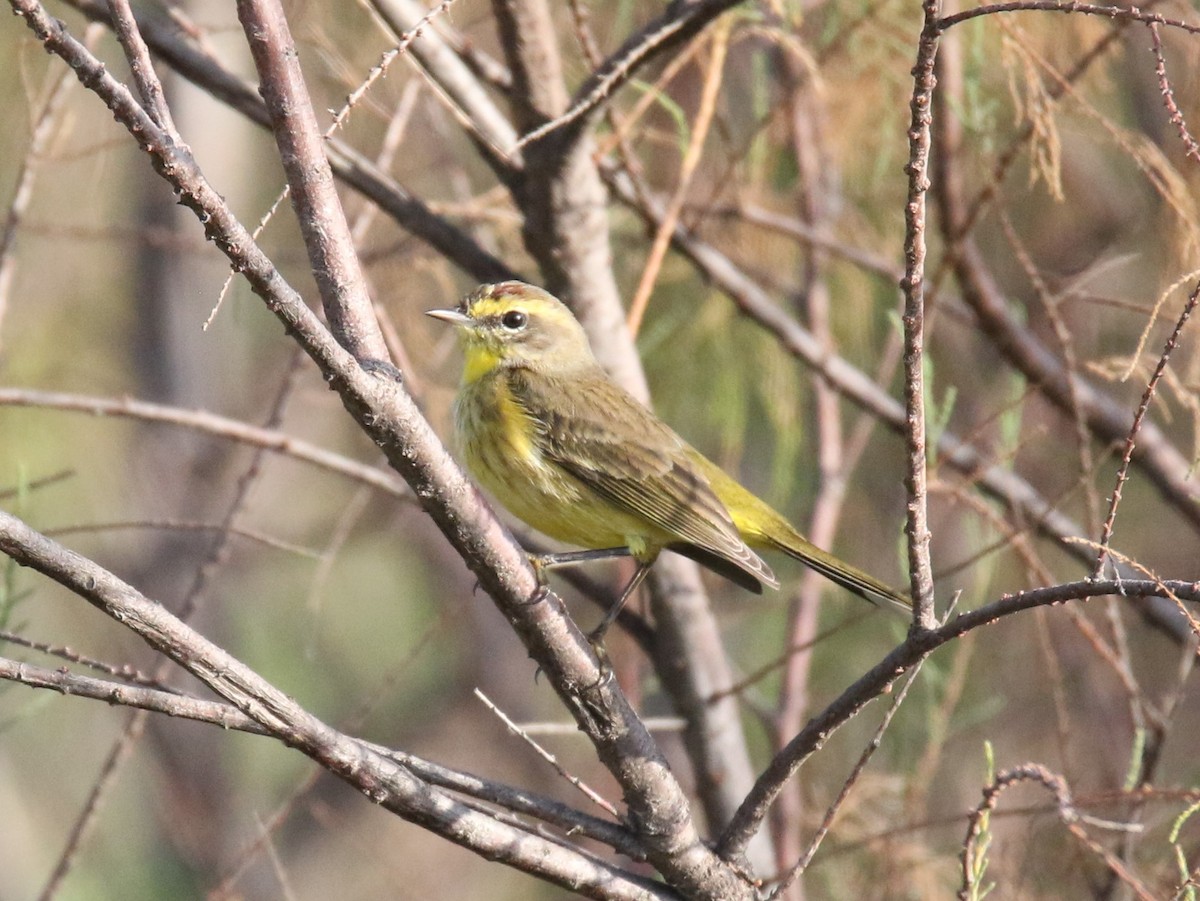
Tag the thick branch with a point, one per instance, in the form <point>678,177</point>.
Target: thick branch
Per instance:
<point>323,225</point>
<point>348,164</point>
<point>226,716</point>
<point>382,780</point>
<point>566,229</point>
<point>657,804</point>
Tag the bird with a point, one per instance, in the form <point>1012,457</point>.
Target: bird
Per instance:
<point>571,453</point>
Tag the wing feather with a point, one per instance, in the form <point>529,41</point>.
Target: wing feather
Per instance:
<point>621,451</point>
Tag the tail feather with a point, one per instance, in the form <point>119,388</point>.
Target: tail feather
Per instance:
<point>764,528</point>
<point>749,575</point>
<point>841,573</point>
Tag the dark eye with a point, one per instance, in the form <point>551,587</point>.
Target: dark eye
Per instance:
<point>514,320</point>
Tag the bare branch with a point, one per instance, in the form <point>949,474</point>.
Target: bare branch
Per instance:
<point>387,413</point>
<point>913,286</point>
<point>1071,818</point>
<point>226,716</point>
<point>326,233</point>
<point>998,481</point>
<point>149,88</point>
<point>393,786</point>
<point>349,164</point>
<point>493,132</point>
<point>1118,13</point>
<point>905,656</point>
<point>212,424</point>
<point>861,764</point>
<point>1138,418</point>
<point>681,21</point>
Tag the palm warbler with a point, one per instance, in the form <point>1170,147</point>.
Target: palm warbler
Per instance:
<point>575,456</point>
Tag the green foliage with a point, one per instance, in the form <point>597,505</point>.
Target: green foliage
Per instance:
<point>980,107</point>
<point>1186,877</point>
<point>937,412</point>
<point>978,864</point>
<point>679,118</point>
<point>1133,775</point>
<point>1012,421</point>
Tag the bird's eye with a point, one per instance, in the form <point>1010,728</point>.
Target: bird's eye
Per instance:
<point>514,320</point>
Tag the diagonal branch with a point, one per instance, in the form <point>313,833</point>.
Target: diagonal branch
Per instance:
<point>387,783</point>
<point>566,229</point>
<point>493,133</point>
<point>348,164</point>
<point>904,657</point>
<point>681,21</point>
<point>387,413</point>
<point>1108,419</point>
<point>226,716</point>
<point>1138,420</point>
<point>323,224</point>
<point>997,481</point>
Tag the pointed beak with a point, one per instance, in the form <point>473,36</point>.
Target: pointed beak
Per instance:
<point>454,317</point>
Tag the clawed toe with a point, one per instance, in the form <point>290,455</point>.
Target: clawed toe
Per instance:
<point>540,594</point>
<point>596,640</point>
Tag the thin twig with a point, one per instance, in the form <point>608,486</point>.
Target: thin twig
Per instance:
<point>1139,416</point>
<point>714,76</point>
<point>1067,813</point>
<point>916,647</point>
<point>680,22</point>
<point>389,784</point>
<point>149,87</point>
<point>864,758</point>
<point>226,716</point>
<point>998,481</point>
<point>178,525</point>
<point>1191,148</point>
<point>210,423</point>
<point>588,792</point>
<point>127,674</point>
<point>913,286</point>
<point>335,266</point>
<point>44,123</point>
<point>1118,13</point>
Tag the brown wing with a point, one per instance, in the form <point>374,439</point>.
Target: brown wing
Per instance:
<point>602,436</point>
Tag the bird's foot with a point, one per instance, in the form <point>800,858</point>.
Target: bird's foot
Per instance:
<point>596,640</point>
<point>541,593</point>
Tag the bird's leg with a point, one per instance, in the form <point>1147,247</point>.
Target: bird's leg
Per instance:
<point>596,636</point>
<point>543,562</point>
<point>573,558</point>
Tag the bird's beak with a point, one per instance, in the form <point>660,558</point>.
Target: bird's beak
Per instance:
<point>454,317</point>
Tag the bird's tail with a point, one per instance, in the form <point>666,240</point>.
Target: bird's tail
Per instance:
<point>763,528</point>
<point>838,571</point>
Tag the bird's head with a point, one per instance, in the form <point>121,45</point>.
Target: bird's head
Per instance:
<point>515,324</point>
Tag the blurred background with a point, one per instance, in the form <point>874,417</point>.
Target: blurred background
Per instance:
<point>345,595</point>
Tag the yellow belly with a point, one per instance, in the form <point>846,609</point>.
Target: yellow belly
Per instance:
<point>500,449</point>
